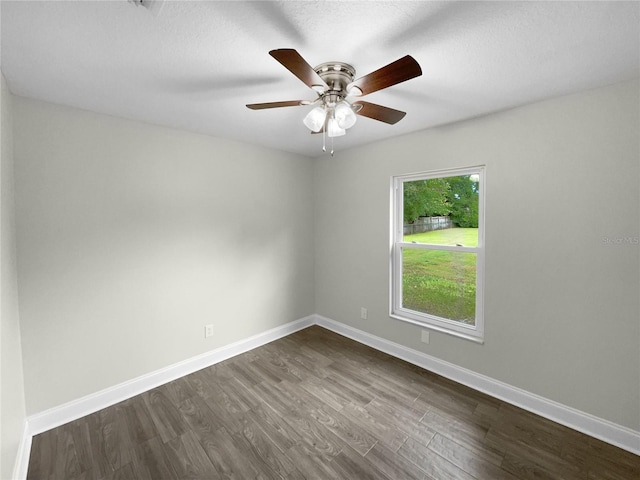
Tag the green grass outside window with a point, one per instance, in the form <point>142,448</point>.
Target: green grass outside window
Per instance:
<point>438,282</point>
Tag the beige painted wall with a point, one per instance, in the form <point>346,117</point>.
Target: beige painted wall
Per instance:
<point>562,316</point>
<point>12,402</point>
<point>132,237</point>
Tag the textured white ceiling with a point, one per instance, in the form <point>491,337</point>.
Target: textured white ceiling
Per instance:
<point>194,64</point>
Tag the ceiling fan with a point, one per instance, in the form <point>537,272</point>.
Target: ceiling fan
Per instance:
<point>334,82</point>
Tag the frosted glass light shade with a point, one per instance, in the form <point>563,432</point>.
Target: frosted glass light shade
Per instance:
<point>344,115</point>
<point>333,129</point>
<point>314,120</point>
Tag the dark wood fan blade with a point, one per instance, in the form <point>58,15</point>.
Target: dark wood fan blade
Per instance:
<point>378,112</point>
<point>260,106</point>
<point>397,72</point>
<point>297,65</point>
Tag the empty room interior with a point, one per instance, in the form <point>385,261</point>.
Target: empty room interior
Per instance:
<point>386,240</point>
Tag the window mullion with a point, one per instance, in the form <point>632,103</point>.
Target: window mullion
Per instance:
<point>431,246</point>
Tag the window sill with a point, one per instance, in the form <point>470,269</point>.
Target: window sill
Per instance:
<point>436,328</point>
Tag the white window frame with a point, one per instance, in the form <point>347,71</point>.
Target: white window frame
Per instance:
<point>397,311</point>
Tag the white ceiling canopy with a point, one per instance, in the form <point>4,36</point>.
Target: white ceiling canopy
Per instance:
<point>194,65</point>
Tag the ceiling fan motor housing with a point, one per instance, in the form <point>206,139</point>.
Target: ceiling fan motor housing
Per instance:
<point>337,75</point>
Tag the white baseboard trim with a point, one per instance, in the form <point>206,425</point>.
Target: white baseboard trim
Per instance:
<point>604,430</point>
<point>599,428</point>
<point>22,458</point>
<point>54,417</point>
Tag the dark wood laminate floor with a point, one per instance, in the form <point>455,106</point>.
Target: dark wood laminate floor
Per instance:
<point>318,405</point>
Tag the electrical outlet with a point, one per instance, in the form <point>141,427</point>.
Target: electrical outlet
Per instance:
<point>424,338</point>
<point>208,331</point>
<point>363,313</point>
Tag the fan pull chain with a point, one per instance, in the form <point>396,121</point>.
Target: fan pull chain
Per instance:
<point>332,146</point>
<point>324,146</point>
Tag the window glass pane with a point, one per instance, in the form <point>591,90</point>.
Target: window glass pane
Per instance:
<point>442,211</point>
<point>440,283</point>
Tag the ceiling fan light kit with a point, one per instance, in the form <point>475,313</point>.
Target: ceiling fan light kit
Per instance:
<point>344,115</point>
<point>333,129</point>
<point>314,120</point>
<point>333,82</point>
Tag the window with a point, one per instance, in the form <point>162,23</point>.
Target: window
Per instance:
<point>437,252</point>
